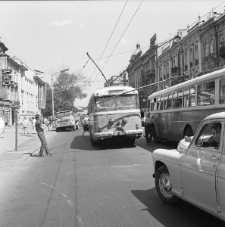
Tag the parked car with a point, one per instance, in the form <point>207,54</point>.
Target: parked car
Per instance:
<point>64,123</point>
<point>195,171</point>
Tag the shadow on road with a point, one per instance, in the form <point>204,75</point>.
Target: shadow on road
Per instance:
<point>84,143</point>
<point>152,146</point>
<point>184,214</point>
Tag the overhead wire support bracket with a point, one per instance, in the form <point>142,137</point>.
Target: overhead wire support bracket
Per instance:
<point>97,67</point>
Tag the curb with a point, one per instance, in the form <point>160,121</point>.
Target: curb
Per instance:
<point>22,154</point>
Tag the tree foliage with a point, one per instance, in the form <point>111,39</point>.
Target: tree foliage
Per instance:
<point>67,88</point>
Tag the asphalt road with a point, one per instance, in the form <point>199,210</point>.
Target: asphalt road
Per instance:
<point>85,186</point>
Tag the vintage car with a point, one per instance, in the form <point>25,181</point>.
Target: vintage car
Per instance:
<point>64,123</point>
<point>195,171</point>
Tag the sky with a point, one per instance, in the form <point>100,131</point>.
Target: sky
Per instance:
<point>53,35</point>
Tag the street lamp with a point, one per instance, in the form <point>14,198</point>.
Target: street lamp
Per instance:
<point>62,71</point>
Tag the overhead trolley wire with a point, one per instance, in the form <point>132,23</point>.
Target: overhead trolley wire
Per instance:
<point>123,33</point>
<point>110,36</point>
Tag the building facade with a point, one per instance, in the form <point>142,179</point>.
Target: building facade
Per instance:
<point>201,50</point>
<point>22,92</point>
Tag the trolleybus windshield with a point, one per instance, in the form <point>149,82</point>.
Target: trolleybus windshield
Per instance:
<point>122,102</point>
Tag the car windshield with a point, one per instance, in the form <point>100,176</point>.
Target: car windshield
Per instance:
<point>122,102</point>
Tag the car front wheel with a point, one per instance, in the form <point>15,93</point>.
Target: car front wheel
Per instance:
<point>163,186</point>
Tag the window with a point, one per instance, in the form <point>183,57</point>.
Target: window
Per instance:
<point>167,101</point>
<point>186,97</point>
<point>152,108</point>
<point>206,94</point>
<point>160,103</point>
<point>177,99</point>
<point>222,91</point>
<point>122,102</point>
<point>209,136</point>
<point>211,47</point>
<point>192,97</point>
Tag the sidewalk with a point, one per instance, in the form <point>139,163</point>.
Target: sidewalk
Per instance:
<point>27,144</point>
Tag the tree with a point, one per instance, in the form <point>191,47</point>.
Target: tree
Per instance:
<point>68,88</point>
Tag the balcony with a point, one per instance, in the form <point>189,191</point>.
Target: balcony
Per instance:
<point>222,52</point>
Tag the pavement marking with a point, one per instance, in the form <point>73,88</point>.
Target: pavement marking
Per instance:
<point>64,195</point>
<point>127,166</point>
<point>50,186</point>
<point>79,219</point>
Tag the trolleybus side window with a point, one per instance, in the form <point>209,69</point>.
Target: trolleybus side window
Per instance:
<point>177,99</point>
<point>165,101</point>
<point>186,97</point>
<point>192,96</point>
<point>152,105</point>
<point>189,97</point>
<point>222,91</point>
<point>206,93</point>
<point>159,103</point>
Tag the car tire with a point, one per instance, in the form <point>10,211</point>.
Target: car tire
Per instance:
<point>164,186</point>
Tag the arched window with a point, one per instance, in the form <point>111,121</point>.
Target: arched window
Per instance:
<point>211,46</point>
<point>206,49</point>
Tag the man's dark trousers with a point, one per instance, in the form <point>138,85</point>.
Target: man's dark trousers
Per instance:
<point>44,145</point>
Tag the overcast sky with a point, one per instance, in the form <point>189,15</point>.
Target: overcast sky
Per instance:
<point>51,35</point>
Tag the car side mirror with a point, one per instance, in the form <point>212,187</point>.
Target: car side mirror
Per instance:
<point>187,139</point>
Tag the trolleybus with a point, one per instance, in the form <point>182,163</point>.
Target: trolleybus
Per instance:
<point>177,111</point>
<point>114,114</point>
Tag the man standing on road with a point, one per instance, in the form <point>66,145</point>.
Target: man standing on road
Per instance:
<point>40,132</point>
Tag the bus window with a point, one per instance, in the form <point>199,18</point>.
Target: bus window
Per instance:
<point>165,101</point>
<point>152,105</point>
<point>160,103</point>
<point>192,97</point>
<point>206,93</point>
<point>177,99</point>
<point>169,101</point>
<point>222,91</point>
<point>186,97</point>
<point>148,105</point>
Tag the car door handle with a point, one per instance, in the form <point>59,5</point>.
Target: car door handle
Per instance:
<point>213,157</point>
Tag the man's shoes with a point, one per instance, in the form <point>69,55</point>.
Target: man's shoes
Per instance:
<point>41,155</point>
<point>49,154</point>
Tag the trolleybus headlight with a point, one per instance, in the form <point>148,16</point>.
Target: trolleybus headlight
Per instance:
<point>137,126</point>
<point>111,121</point>
<point>125,120</point>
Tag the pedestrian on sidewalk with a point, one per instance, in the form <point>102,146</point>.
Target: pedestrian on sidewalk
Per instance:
<point>2,126</point>
<point>40,132</point>
<point>25,125</point>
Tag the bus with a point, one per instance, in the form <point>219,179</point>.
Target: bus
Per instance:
<point>114,114</point>
<point>177,111</point>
